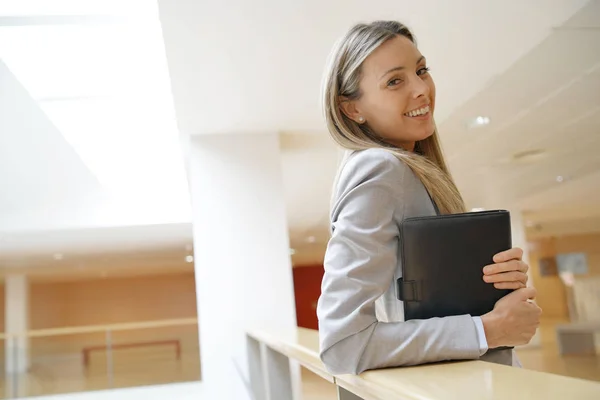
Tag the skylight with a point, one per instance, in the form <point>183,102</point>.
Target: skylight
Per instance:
<point>104,84</point>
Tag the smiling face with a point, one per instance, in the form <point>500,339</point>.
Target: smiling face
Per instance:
<point>397,94</point>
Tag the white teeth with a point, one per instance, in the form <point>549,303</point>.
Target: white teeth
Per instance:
<point>420,111</point>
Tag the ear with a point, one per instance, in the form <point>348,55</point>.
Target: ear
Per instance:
<point>350,110</point>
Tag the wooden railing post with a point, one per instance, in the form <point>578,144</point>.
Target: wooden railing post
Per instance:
<point>279,377</point>
<point>109,360</point>
<point>255,369</point>
<point>343,394</point>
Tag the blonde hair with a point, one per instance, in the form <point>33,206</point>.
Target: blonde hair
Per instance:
<point>342,80</point>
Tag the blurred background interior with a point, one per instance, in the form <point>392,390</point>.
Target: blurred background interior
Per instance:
<point>114,116</point>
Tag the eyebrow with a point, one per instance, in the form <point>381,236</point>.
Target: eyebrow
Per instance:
<point>401,67</point>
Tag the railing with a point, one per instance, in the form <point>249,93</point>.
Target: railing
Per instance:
<point>76,359</point>
<point>269,358</point>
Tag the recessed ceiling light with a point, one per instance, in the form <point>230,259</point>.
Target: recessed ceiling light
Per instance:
<point>482,120</point>
<point>560,179</point>
<point>292,252</point>
<point>189,259</point>
<point>311,239</point>
<point>478,121</point>
<point>58,256</point>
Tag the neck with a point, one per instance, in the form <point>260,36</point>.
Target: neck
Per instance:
<point>408,146</point>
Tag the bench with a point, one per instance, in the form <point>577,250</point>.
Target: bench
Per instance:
<point>174,342</point>
<point>577,338</point>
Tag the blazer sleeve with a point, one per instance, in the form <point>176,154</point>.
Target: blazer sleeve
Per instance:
<point>360,262</point>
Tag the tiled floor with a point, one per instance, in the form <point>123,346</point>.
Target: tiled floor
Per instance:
<point>547,359</point>
<point>544,358</point>
<point>316,388</point>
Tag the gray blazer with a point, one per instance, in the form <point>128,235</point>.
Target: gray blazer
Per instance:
<point>361,322</point>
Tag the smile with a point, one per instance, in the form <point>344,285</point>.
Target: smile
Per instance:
<point>418,112</point>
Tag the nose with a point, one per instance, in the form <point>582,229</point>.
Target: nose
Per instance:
<point>419,88</point>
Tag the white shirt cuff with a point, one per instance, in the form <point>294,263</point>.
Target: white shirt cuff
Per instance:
<point>483,346</point>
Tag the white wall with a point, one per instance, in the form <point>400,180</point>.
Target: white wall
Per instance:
<point>243,266</point>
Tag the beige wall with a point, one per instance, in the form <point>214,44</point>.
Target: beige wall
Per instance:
<point>110,301</point>
<point>551,291</point>
<point>589,244</point>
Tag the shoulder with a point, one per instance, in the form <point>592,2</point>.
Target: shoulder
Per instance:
<point>377,166</point>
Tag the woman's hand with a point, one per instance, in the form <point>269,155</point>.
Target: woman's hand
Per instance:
<point>514,319</point>
<point>509,271</point>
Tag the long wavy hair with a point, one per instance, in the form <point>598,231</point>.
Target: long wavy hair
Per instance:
<point>342,78</point>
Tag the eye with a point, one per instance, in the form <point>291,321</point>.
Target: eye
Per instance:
<point>395,82</point>
<point>422,71</point>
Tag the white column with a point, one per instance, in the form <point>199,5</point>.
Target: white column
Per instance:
<point>519,239</point>
<point>16,321</point>
<point>242,261</point>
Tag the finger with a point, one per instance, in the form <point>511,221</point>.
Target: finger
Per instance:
<point>534,310</point>
<point>512,265</point>
<point>526,293</point>
<point>509,285</point>
<point>513,276</point>
<point>515,253</point>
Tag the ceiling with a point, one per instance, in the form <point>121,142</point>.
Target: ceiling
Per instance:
<point>19,248</point>
<point>240,66</point>
<point>537,79</point>
<point>108,266</point>
<point>75,254</point>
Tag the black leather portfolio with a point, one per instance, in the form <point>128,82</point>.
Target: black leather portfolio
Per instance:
<point>442,263</point>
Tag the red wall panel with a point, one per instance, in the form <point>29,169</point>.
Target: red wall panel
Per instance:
<point>307,287</point>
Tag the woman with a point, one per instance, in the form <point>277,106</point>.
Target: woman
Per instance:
<point>379,100</point>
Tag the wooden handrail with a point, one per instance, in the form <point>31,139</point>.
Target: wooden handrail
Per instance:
<point>73,330</point>
<point>460,379</point>
<point>468,380</point>
<point>304,349</point>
